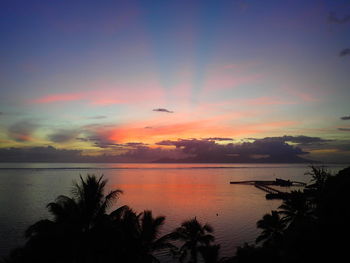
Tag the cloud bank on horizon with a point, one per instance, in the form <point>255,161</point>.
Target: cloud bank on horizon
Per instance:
<point>207,150</point>
<point>185,80</point>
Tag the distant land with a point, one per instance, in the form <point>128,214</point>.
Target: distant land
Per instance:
<point>276,159</point>
<point>52,155</point>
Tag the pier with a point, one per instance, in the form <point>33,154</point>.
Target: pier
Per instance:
<point>272,193</point>
<point>277,182</point>
<point>267,189</point>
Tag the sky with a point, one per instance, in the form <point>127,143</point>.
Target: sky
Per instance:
<point>145,80</point>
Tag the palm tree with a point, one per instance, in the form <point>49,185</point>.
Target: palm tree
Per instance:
<point>80,223</point>
<point>210,253</point>
<point>295,208</point>
<point>319,177</point>
<point>149,230</point>
<point>193,235</point>
<point>316,190</point>
<point>273,228</point>
<point>91,201</point>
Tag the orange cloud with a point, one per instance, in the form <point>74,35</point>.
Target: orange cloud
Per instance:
<point>137,132</point>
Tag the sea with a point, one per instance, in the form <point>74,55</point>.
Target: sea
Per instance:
<point>177,191</point>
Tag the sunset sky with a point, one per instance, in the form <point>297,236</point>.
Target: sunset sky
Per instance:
<point>110,77</point>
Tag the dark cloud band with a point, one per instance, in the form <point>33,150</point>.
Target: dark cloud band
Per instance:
<point>163,110</point>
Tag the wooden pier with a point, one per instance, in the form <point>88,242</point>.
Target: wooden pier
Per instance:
<point>267,189</point>
<point>254,182</point>
<point>272,193</point>
<point>277,182</point>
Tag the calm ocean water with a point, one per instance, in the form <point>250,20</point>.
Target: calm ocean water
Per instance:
<point>178,191</point>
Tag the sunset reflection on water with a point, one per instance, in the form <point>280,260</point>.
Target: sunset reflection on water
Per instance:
<point>177,191</point>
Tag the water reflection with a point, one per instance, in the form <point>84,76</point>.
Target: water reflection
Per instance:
<point>177,191</point>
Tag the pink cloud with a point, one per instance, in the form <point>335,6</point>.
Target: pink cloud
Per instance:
<point>265,101</point>
<point>106,101</point>
<point>302,95</point>
<point>306,96</point>
<point>101,94</point>
<point>59,97</point>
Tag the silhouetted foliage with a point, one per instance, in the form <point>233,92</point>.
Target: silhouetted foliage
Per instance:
<point>193,236</point>
<point>81,230</point>
<point>273,227</point>
<point>148,239</point>
<point>310,226</point>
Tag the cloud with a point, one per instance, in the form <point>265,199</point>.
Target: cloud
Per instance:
<point>94,97</point>
<point>332,18</point>
<point>210,151</point>
<point>269,149</point>
<point>59,97</point>
<point>300,139</point>
<point>344,129</point>
<point>345,118</point>
<point>63,136</point>
<point>98,117</point>
<point>265,101</point>
<point>134,144</point>
<point>106,101</point>
<point>40,154</point>
<point>102,136</point>
<point>100,141</point>
<point>111,134</point>
<point>147,154</point>
<point>107,93</point>
<point>163,110</point>
<point>344,52</point>
<point>137,153</point>
<point>218,139</point>
<point>302,94</point>
<point>22,131</point>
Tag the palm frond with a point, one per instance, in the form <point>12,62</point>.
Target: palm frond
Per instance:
<point>40,227</point>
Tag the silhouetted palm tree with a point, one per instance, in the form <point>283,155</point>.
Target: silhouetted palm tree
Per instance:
<point>295,208</point>
<point>149,230</point>
<point>193,235</point>
<point>91,201</point>
<point>319,176</point>
<point>315,190</point>
<point>210,253</point>
<point>79,225</point>
<point>273,228</point>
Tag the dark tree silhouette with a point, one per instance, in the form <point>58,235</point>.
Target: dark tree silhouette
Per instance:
<point>295,209</point>
<point>311,224</point>
<point>193,235</point>
<point>79,228</point>
<point>148,236</point>
<point>272,229</point>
